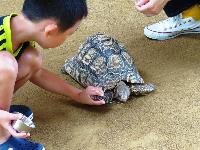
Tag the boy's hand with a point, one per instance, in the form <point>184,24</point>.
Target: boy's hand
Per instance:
<point>150,7</point>
<point>85,96</point>
<point>6,119</point>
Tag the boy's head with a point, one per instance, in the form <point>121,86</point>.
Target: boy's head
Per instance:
<point>62,16</point>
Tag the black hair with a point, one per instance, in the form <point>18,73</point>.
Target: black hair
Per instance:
<point>65,12</point>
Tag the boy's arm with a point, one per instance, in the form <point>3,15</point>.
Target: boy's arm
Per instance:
<point>49,81</point>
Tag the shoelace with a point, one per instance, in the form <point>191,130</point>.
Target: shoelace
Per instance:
<point>170,21</point>
<point>173,22</point>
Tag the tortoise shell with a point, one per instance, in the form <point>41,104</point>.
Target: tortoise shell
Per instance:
<point>102,61</point>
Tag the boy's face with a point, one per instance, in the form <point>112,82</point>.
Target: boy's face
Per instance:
<point>53,37</point>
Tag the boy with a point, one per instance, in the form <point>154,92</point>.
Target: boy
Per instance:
<point>49,23</point>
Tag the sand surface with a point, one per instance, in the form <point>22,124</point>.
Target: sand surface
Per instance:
<point>166,119</point>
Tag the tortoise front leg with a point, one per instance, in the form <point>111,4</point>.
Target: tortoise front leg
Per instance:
<point>122,92</point>
<point>108,97</point>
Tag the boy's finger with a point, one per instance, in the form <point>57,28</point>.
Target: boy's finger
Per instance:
<point>15,134</point>
<point>145,9</point>
<point>15,116</point>
<point>141,2</point>
<point>97,92</point>
<point>100,102</point>
<point>100,91</point>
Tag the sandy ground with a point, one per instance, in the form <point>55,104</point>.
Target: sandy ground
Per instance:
<point>166,119</point>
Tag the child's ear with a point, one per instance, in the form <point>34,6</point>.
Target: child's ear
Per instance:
<point>50,29</point>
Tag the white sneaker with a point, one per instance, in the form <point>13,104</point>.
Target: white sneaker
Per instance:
<point>172,27</point>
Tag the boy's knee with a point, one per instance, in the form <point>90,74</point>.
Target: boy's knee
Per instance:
<point>33,59</point>
<point>8,66</point>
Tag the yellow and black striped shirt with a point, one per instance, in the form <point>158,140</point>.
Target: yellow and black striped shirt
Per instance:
<point>6,37</point>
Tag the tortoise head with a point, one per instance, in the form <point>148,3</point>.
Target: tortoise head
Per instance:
<point>122,92</point>
<point>101,38</point>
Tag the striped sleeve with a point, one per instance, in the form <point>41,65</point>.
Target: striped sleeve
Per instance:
<point>2,35</point>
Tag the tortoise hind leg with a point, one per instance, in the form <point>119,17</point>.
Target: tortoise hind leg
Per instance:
<point>142,89</point>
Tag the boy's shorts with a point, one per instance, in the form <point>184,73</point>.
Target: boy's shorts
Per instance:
<point>25,45</point>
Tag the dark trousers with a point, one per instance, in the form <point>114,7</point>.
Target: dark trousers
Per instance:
<point>175,7</point>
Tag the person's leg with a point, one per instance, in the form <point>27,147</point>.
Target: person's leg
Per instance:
<point>193,12</point>
<point>29,63</point>
<point>175,7</point>
<point>8,75</point>
<point>188,8</point>
<point>183,19</point>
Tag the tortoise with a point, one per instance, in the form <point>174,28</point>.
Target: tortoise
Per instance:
<point>104,62</point>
